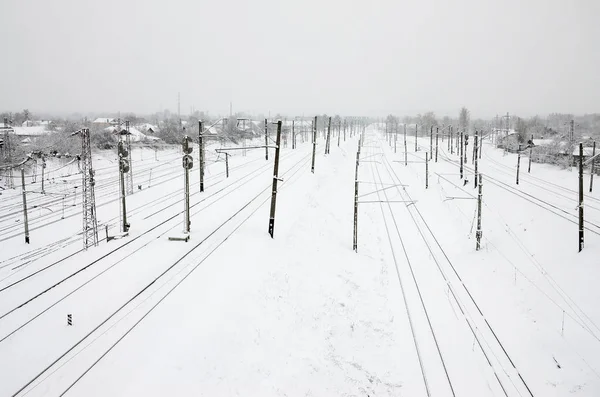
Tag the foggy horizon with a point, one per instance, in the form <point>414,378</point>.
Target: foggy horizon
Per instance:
<point>295,58</point>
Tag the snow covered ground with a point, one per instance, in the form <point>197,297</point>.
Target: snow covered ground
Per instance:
<point>416,311</point>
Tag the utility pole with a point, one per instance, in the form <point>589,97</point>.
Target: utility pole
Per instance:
<point>44,168</point>
<point>426,172</point>
<point>518,163</point>
<point>461,152</point>
<point>431,140</point>
<point>476,161</point>
<point>466,135</point>
<point>314,142</point>
<point>226,165</point>
<point>266,141</point>
<point>328,139</point>
<point>592,167</point>
<point>25,219</point>
<point>275,179</point>
<point>293,135</point>
<point>416,136</point>
<point>580,196</point>
<point>405,148</point>
<point>530,153</point>
<point>123,169</point>
<point>437,137</point>
<point>479,233</point>
<point>355,243</point>
<point>201,153</point>
<point>188,163</point>
<point>129,175</point>
<point>481,145</point>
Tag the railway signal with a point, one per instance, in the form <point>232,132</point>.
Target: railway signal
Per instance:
<point>123,169</point>
<point>187,161</point>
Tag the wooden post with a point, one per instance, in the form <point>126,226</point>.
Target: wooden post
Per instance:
<point>437,137</point>
<point>314,142</point>
<point>518,163</point>
<point>227,165</point>
<point>25,219</point>
<point>580,196</point>
<point>426,172</point>
<point>275,179</point>
<point>293,135</point>
<point>475,148</point>
<point>201,153</point>
<point>592,167</point>
<point>478,233</point>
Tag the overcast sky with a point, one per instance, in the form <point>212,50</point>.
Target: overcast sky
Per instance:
<point>367,57</point>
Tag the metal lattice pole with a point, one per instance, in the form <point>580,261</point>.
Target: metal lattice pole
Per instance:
<point>90,223</point>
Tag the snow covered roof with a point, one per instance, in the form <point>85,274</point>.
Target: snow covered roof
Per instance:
<point>587,151</point>
<point>104,120</point>
<point>147,127</point>
<point>136,135</point>
<point>30,131</point>
<point>211,131</point>
<point>31,123</point>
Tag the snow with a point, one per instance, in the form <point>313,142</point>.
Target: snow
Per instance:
<point>239,313</point>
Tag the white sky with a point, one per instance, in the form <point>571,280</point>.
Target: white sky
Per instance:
<point>369,57</point>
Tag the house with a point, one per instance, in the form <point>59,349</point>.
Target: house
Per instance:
<point>136,135</point>
<point>29,134</point>
<point>587,153</point>
<point>105,120</point>
<point>148,128</point>
<point>33,123</point>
